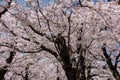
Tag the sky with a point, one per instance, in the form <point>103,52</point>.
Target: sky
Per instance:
<point>95,1</point>
<point>47,1</point>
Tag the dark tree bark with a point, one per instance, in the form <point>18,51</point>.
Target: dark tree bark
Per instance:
<point>77,73</point>
<point>6,8</point>
<point>26,73</point>
<point>80,73</point>
<point>81,63</point>
<point>89,76</point>
<point>119,2</point>
<point>109,0</point>
<point>110,65</point>
<point>4,70</point>
<point>9,60</point>
<point>65,57</point>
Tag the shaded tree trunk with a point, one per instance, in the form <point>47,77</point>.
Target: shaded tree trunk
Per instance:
<point>89,76</point>
<point>71,73</point>
<point>67,66</point>
<point>80,74</point>
<point>65,57</point>
<point>81,62</point>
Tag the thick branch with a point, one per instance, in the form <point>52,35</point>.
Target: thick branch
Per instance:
<point>50,51</point>
<point>3,71</point>
<point>6,9</point>
<point>40,33</point>
<point>109,63</point>
<point>116,60</point>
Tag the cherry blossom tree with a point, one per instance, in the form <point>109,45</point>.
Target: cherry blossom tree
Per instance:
<point>70,40</point>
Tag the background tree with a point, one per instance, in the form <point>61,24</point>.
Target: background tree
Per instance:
<point>81,40</point>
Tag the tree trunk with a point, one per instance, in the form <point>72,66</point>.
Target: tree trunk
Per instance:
<point>80,74</point>
<point>77,73</point>
<point>70,73</point>
<point>67,66</point>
